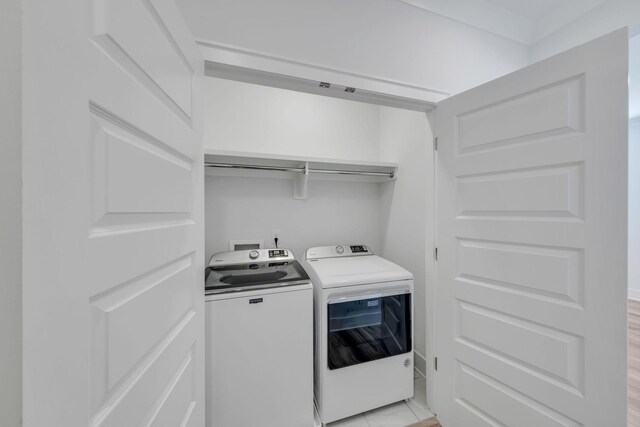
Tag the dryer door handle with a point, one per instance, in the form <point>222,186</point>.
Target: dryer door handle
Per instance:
<point>372,294</point>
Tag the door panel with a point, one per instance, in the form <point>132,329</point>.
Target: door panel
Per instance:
<point>507,122</point>
<point>114,324</point>
<point>137,30</point>
<point>532,199</point>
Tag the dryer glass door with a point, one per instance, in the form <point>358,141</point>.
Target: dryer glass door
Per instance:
<point>368,328</point>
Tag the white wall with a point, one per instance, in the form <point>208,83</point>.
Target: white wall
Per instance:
<point>634,76</point>
<point>407,205</point>
<point>634,168</point>
<point>634,209</point>
<point>10,216</point>
<point>381,38</point>
<point>253,118</point>
<point>604,18</point>
<point>251,208</point>
<point>248,117</point>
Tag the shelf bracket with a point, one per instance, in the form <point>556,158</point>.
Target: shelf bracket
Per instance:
<point>300,181</point>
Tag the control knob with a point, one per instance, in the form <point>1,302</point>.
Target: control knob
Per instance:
<point>254,254</point>
<point>339,249</point>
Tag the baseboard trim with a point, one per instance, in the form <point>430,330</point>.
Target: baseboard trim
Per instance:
<point>420,363</point>
<point>634,294</point>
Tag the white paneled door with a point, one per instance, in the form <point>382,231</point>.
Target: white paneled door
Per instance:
<point>531,294</point>
<point>113,307</point>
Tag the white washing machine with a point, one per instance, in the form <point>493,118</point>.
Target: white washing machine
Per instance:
<point>363,330</point>
<point>259,340</point>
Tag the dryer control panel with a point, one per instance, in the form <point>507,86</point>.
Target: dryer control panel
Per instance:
<point>343,250</point>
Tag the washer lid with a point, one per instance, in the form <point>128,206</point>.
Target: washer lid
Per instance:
<point>359,270</point>
<point>257,275</point>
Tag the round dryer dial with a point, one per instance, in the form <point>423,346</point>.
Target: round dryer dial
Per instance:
<point>254,254</point>
<point>339,249</point>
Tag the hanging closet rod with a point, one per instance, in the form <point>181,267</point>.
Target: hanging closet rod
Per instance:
<point>300,170</point>
<point>257,167</point>
<point>343,172</point>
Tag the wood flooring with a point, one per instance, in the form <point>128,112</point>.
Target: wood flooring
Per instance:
<point>431,422</point>
<point>633,337</point>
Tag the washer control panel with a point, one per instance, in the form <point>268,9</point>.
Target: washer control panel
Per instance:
<point>278,253</point>
<point>252,256</point>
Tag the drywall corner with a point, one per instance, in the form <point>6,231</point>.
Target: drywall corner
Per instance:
<point>11,215</point>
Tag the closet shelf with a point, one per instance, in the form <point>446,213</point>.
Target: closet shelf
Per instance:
<point>233,163</point>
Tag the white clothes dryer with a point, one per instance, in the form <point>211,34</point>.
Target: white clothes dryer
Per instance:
<point>363,328</point>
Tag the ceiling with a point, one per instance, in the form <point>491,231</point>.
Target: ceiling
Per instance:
<point>524,21</point>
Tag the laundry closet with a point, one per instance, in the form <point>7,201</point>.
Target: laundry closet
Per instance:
<point>389,214</point>
<point>313,170</point>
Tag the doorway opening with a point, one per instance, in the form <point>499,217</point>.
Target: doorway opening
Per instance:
<point>278,119</point>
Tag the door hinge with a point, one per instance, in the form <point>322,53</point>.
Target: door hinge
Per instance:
<point>435,253</point>
<point>435,143</point>
<point>435,363</point>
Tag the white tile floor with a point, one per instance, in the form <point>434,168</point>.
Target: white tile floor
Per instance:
<point>399,414</point>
